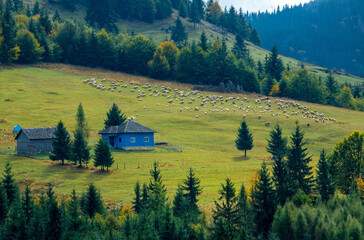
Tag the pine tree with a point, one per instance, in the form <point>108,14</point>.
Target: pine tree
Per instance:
<point>274,64</point>
<point>180,203</point>
<point>9,184</point>
<point>182,9</point>
<point>81,122</point>
<point>195,12</point>
<point>192,187</point>
<point>74,219</point>
<point>157,191</point>
<point>254,37</point>
<point>92,202</point>
<point>103,156</point>
<point>324,181</point>
<point>80,152</point>
<point>137,202</point>
<point>244,140</point>
<point>145,197</point>
<point>61,144</point>
<point>179,34</point>
<point>36,8</point>
<point>277,146</point>
<point>114,117</point>
<point>15,222</point>
<point>54,222</point>
<point>57,17</point>
<point>244,213</point>
<point>28,205</point>
<point>299,171</point>
<point>228,210</point>
<point>263,201</point>
<point>3,204</point>
<point>8,50</point>
<point>332,88</point>
<point>203,44</point>
<point>239,49</point>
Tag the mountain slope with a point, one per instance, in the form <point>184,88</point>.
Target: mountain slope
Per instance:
<point>324,32</point>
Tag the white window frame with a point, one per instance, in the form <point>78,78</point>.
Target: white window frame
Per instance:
<point>132,140</point>
<point>146,139</point>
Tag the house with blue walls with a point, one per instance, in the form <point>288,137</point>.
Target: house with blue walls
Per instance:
<point>129,136</point>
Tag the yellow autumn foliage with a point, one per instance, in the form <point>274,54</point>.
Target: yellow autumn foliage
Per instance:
<point>274,91</point>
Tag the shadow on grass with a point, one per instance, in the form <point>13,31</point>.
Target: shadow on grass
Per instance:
<point>240,158</point>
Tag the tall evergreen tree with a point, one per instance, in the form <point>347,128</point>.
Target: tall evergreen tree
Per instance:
<point>81,122</point>
<point>15,224</point>
<point>203,42</point>
<point>92,202</point>
<point>254,37</point>
<point>28,205</point>
<point>103,156</point>
<point>36,8</point>
<point>263,201</point>
<point>114,117</point>
<point>54,222</point>
<point>137,202</point>
<point>157,191</point>
<point>100,13</point>
<point>3,204</point>
<point>9,184</point>
<point>332,88</point>
<point>179,34</point>
<point>244,140</point>
<point>274,64</point>
<point>80,152</point>
<point>324,181</point>
<point>245,215</point>
<point>277,146</point>
<point>8,49</point>
<point>195,12</point>
<point>183,12</point>
<point>226,214</point>
<point>299,171</point>
<point>180,204</point>
<point>144,202</point>
<point>61,144</point>
<point>192,187</point>
<point>74,218</point>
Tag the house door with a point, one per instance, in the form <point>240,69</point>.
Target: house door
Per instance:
<point>111,141</point>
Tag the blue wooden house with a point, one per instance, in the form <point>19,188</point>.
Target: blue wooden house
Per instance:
<point>129,136</point>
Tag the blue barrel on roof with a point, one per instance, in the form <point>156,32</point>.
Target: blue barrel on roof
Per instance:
<point>16,128</point>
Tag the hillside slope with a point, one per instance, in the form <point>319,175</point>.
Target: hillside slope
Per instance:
<point>159,31</point>
<point>40,96</point>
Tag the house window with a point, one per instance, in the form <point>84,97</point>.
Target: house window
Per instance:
<point>132,140</point>
<point>146,139</point>
<point>119,139</point>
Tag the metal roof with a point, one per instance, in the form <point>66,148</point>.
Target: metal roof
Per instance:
<point>38,133</point>
<point>128,127</point>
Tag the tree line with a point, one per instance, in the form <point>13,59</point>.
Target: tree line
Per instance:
<point>284,203</point>
<point>39,38</point>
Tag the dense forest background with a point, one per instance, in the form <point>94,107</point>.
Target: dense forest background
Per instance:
<point>325,32</point>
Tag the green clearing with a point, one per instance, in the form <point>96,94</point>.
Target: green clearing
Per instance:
<point>39,96</point>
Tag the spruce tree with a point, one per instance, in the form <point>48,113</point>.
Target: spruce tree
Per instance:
<point>81,122</point>
<point>145,197</point>
<point>92,202</point>
<point>28,205</point>
<point>114,117</point>
<point>183,12</point>
<point>61,144</point>
<point>54,222</point>
<point>8,49</point>
<point>74,219</point>
<point>244,212</point>
<point>180,204</point>
<point>299,171</point>
<point>103,156</point>
<point>332,88</point>
<point>191,185</point>
<point>324,182</point>
<point>137,202</point>
<point>228,210</point>
<point>277,146</point>
<point>244,140</point>
<point>157,191</point>
<point>3,204</point>
<point>179,34</point>
<point>263,201</point>
<point>9,184</point>
<point>80,152</point>
<point>274,64</point>
<point>15,223</point>
<point>36,8</point>
<point>203,44</point>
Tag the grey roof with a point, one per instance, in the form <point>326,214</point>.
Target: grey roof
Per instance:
<point>38,133</point>
<point>128,127</point>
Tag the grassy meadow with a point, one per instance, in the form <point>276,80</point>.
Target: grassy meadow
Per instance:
<point>40,96</point>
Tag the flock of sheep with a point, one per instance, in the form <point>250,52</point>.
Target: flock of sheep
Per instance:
<point>196,101</point>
